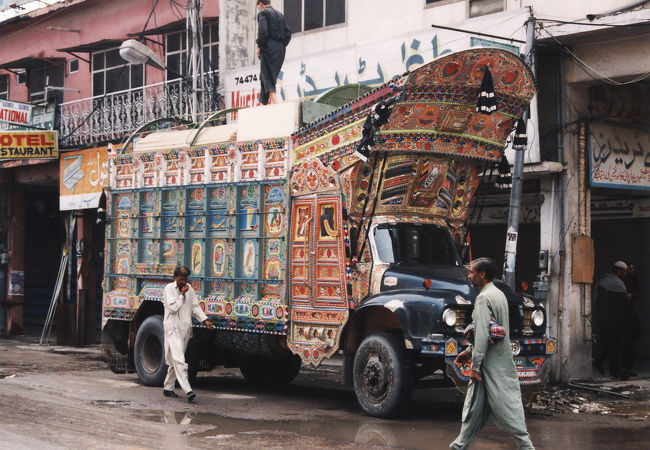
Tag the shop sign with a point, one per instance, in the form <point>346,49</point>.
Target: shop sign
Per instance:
<point>83,175</point>
<point>28,144</point>
<point>15,112</point>
<point>609,209</point>
<point>499,214</point>
<point>619,157</point>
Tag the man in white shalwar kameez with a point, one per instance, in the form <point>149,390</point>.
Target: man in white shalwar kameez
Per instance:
<point>181,305</point>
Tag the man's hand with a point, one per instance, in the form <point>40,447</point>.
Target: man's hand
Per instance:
<point>185,288</point>
<point>475,376</point>
<point>462,357</point>
<point>259,52</point>
<point>208,324</point>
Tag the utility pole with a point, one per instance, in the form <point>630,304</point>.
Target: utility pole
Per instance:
<point>194,26</point>
<point>518,169</point>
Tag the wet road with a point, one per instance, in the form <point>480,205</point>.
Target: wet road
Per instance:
<point>54,399</point>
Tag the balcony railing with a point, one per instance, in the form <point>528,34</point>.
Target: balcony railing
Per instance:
<point>112,116</point>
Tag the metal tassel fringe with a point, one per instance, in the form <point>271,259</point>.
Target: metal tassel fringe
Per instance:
<point>504,178</point>
<point>487,102</point>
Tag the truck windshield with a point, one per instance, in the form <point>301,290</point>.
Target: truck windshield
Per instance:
<point>415,244</point>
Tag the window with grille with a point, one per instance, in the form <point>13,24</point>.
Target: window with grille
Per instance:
<point>176,51</point>
<point>483,7</point>
<point>21,76</point>
<point>304,15</point>
<point>4,87</point>
<point>111,73</point>
<point>50,76</point>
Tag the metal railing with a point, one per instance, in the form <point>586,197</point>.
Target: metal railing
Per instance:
<point>114,115</point>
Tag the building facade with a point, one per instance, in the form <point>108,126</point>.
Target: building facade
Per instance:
<point>586,188</point>
<point>60,62</point>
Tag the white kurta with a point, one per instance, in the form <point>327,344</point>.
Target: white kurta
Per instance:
<point>179,310</point>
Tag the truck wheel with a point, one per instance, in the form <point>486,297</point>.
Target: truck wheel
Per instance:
<point>383,375</point>
<point>149,352</point>
<point>264,371</point>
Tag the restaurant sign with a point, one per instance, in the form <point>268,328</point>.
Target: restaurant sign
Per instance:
<point>28,144</point>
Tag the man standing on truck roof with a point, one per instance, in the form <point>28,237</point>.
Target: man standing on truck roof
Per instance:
<point>493,396</point>
<point>273,36</point>
<point>181,305</point>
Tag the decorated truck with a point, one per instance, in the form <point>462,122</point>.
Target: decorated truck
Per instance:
<point>338,237</point>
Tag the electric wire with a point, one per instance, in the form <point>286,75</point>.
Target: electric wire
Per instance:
<point>592,72</point>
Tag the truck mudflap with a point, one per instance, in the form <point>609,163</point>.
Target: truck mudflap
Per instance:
<point>530,365</point>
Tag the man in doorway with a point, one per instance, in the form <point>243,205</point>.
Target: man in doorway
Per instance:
<point>181,304</point>
<point>632,326</point>
<point>273,36</point>
<point>611,299</point>
<point>493,394</point>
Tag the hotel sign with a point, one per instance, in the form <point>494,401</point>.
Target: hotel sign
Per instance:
<point>15,113</point>
<point>28,144</point>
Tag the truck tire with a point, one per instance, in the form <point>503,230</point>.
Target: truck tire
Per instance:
<point>149,352</point>
<point>264,371</point>
<point>383,375</point>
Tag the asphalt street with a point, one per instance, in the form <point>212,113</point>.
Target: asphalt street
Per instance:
<point>62,397</point>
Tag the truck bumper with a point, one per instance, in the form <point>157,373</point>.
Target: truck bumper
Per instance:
<point>530,367</point>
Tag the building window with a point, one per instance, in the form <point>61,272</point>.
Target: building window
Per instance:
<point>176,51</point>
<point>50,76</point>
<point>113,74</point>
<point>73,66</point>
<point>4,87</point>
<point>483,7</point>
<point>21,76</point>
<point>304,15</point>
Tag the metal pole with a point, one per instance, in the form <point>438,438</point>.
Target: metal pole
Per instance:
<point>515,193</point>
<point>195,44</point>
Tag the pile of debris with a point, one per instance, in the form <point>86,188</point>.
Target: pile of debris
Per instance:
<point>563,399</point>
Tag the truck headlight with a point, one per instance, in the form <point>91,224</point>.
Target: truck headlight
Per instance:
<point>449,317</point>
<point>538,318</point>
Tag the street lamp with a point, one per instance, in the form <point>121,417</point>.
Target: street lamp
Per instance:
<point>137,53</point>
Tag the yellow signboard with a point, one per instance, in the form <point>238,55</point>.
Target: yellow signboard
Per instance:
<point>82,174</point>
<point>28,144</point>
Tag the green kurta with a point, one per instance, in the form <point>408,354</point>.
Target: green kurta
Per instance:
<point>497,399</point>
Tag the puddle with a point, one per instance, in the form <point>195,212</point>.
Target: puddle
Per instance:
<point>434,429</point>
<point>375,432</point>
<point>111,402</point>
<point>634,411</point>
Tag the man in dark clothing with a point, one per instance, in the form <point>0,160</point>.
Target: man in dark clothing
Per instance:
<point>632,326</point>
<point>611,299</point>
<point>273,36</point>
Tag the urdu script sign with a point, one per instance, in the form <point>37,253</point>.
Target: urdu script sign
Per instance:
<point>620,156</point>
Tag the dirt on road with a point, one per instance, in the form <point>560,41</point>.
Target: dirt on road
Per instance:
<point>57,397</point>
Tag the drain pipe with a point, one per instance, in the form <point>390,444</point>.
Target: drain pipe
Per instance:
<point>560,193</point>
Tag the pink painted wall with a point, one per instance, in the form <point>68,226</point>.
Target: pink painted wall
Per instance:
<point>97,20</point>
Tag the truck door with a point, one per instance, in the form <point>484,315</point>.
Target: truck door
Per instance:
<point>318,297</point>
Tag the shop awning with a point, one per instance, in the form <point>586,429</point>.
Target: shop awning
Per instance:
<point>97,46</point>
<point>167,140</point>
<point>171,27</point>
<point>31,63</point>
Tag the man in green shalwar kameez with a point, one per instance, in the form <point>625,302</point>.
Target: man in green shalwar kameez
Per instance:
<point>493,396</point>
